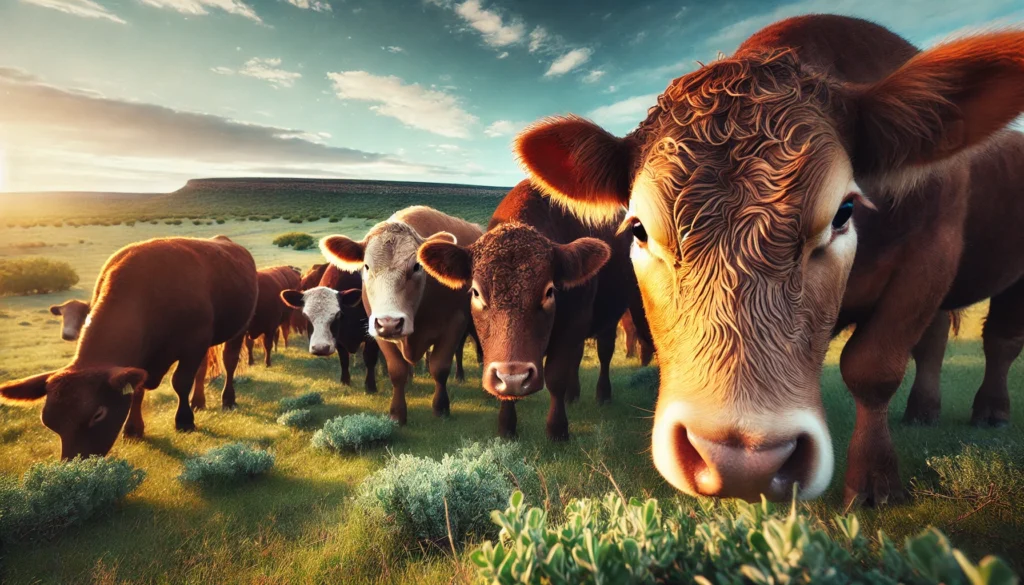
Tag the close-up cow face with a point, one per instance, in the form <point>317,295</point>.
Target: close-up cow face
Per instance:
<point>741,187</point>
<point>74,315</point>
<point>514,276</point>
<point>393,279</point>
<point>330,314</point>
<point>85,407</point>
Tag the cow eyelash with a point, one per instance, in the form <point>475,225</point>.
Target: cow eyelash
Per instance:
<point>636,227</point>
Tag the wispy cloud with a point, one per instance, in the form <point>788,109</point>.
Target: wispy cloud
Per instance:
<point>538,37</point>
<point>628,111</point>
<point>594,76</point>
<point>503,128</point>
<point>82,8</point>
<point>393,49</point>
<point>568,62</point>
<point>495,31</point>
<point>268,70</point>
<point>413,105</point>
<point>200,7</point>
<point>314,5</point>
<point>503,55</point>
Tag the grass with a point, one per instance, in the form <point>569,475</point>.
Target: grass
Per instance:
<point>299,523</point>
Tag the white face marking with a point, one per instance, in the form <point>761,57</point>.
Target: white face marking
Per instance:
<point>321,307</point>
<point>394,289</point>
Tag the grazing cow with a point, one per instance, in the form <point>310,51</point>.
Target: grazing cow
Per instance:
<point>635,340</point>
<point>337,321</point>
<point>73,314</point>
<point>743,186</point>
<point>409,311</point>
<point>271,311</point>
<point>310,279</point>
<point>155,303</point>
<point>541,283</point>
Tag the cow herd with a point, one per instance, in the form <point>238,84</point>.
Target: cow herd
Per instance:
<point>827,175</point>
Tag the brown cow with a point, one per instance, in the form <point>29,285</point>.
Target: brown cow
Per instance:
<point>271,311</point>
<point>155,303</point>
<point>541,282</point>
<point>743,185</point>
<point>634,340</point>
<point>73,314</point>
<point>409,312</point>
<point>337,321</point>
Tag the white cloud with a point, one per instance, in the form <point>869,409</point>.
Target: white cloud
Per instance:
<point>199,7</point>
<point>393,49</point>
<point>223,70</point>
<point>268,70</point>
<point>639,38</point>
<point>503,128</point>
<point>612,89</point>
<point>593,76</point>
<point>503,55</point>
<point>82,8</point>
<point>628,111</point>
<point>415,106</point>
<point>568,62</point>
<point>314,5</point>
<point>491,26</point>
<point>537,38</point>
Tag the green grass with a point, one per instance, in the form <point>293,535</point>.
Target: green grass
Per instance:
<point>299,525</point>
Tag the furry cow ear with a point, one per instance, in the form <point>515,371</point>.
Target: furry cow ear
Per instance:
<point>56,309</point>
<point>579,261</point>
<point>579,165</point>
<point>450,264</point>
<point>345,253</point>
<point>293,298</point>
<point>25,390</point>
<point>443,237</point>
<point>123,378</point>
<point>351,298</point>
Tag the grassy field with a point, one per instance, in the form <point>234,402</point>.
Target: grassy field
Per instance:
<point>299,526</point>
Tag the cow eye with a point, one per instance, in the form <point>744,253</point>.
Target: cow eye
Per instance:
<point>550,292</point>
<point>99,415</point>
<point>366,267</point>
<point>475,293</point>
<point>416,267</point>
<point>638,231</point>
<point>843,215</point>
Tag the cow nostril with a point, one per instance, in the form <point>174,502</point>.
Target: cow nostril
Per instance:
<point>399,323</point>
<point>796,469</point>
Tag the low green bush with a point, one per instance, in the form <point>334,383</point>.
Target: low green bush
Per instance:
<point>355,431</point>
<point>54,496</point>
<point>422,497</point>
<point>296,418</point>
<point>694,541</point>
<point>302,401</point>
<point>26,276</point>
<point>297,240</point>
<point>230,463</point>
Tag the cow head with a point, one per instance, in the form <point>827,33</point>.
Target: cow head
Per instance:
<point>85,407</point>
<point>74,315</point>
<point>514,274</point>
<point>335,318</point>
<point>741,187</point>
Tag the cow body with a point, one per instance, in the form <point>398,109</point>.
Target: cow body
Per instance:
<point>155,303</point>
<point>271,312</point>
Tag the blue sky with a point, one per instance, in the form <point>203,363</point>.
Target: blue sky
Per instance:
<point>141,95</point>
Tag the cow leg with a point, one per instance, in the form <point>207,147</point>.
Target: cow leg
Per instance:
<point>184,377</point>
<point>561,373</point>
<point>346,376</point>
<point>135,427</point>
<point>460,373</point>
<point>627,327</point>
<point>572,375</point>
<point>507,419</point>
<point>268,341</point>
<point>440,364</point>
<point>370,355</point>
<point>199,387</point>
<point>285,330</point>
<point>1002,338</point>
<point>646,353</point>
<point>605,351</point>
<point>232,350</point>
<point>250,343</point>
<point>925,401</point>
<point>400,371</point>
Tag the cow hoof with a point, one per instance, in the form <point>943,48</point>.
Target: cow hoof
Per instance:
<point>228,407</point>
<point>346,381</point>
<point>371,389</point>
<point>880,492</point>
<point>559,437</point>
<point>989,422</point>
<point>185,427</point>
<point>131,432</point>
<point>400,418</point>
<point>442,412</point>
<point>198,405</point>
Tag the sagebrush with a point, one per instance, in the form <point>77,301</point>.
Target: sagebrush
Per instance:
<point>355,431</point>
<point>297,240</point>
<point>227,464</point>
<point>28,276</point>
<point>302,401</point>
<point>296,418</point>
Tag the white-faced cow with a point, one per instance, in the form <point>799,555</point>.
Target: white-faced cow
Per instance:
<point>74,314</point>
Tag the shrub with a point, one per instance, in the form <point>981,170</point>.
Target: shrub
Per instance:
<point>355,431</point>
<point>612,541</point>
<point>196,222</point>
<point>230,463</point>
<point>220,221</point>
<point>297,240</point>
<point>25,276</point>
<point>296,418</point>
<point>173,222</point>
<point>411,492</point>
<point>130,223</point>
<point>980,477</point>
<point>304,401</point>
<point>54,496</point>
<point>334,219</point>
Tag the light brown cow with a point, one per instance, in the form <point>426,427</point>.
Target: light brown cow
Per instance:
<point>73,314</point>
<point>409,311</point>
<point>743,186</point>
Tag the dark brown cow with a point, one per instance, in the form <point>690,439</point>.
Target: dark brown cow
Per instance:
<point>337,321</point>
<point>155,303</point>
<point>73,314</point>
<point>409,312</point>
<point>743,185</point>
<point>541,283</point>
<point>271,311</point>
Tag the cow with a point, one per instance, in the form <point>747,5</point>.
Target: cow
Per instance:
<point>634,340</point>
<point>541,282</point>
<point>74,314</point>
<point>310,279</point>
<point>409,311</point>
<point>271,311</point>
<point>155,303</point>
<point>744,185</point>
<point>337,321</point>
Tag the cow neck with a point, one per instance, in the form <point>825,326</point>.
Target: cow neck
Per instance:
<point>114,337</point>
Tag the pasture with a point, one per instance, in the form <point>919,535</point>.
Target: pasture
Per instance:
<point>299,525</point>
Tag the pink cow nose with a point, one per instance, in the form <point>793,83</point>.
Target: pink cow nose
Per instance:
<point>388,326</point>
<point>512,378</point>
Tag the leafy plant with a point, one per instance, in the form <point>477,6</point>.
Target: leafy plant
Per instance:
<point>230,463</point>
<point>297,240</point>
<point>355,431</point>
<point>57,495</point>
<point>26,276</point>
<point>296,418</point>
<point>303,401</point>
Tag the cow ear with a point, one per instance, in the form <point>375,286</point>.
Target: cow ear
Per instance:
<point>940,102</point>
<point>351,298</point>
<point>127,379</point>
<point>579,261</point>
<point>343,252</point>
<point>25,390</point>
<point>56,309</point>
<point>442,237</point>
<point>450,264</point>
<point>579,165</point>
<point>293,298</point>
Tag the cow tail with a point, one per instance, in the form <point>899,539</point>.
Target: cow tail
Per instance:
<point>956,319</point>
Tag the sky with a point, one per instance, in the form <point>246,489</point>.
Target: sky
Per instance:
<point>142,95</point>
